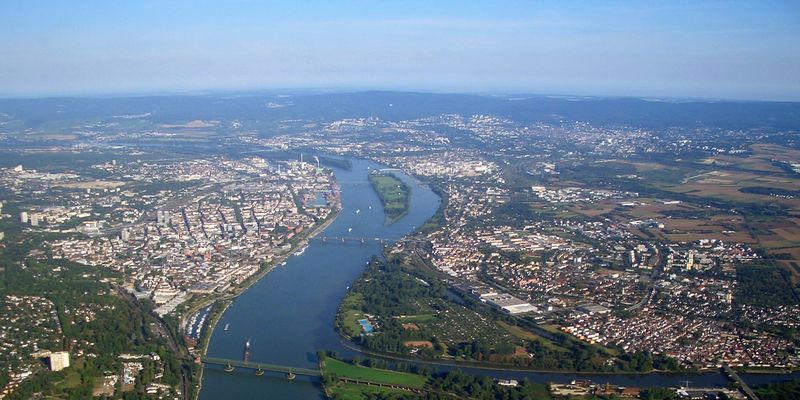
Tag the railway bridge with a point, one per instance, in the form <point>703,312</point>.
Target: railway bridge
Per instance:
<point>260,368</point>
<point>364,239</point>
<point>739,382</point>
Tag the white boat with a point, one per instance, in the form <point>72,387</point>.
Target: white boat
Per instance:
<point>349,229</point>
<point>227,326</point>
<point>301,251</point>
<point>358,211</point>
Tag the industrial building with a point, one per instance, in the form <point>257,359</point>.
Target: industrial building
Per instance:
<point>509,304</point>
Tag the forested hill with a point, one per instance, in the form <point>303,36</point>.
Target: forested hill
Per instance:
<point>33,113</point>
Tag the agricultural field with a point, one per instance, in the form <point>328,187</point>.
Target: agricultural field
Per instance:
<point>762,159</point>
<point>752,199</point>
<point>523,334</point>
<point>757,181</point>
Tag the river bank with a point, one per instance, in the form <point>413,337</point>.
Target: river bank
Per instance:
<point>205,339</point>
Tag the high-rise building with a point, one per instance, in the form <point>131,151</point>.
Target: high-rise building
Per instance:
<point>165,215</point>
<point>162,218</point>
<point>23,217</point>
<point>125,235</point>
<point>59,360</point>
<point>34,219</point>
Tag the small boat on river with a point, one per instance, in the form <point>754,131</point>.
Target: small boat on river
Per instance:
<point>246,355</point>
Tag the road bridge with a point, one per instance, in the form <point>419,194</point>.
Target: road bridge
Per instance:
<point>352,239</point>
<point>231,365</point>
<point>738,380</point>
<point>363,239</point>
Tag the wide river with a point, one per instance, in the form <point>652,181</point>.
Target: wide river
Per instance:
<point>289,314</point>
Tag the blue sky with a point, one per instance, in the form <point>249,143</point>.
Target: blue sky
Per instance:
<point>707,49</point>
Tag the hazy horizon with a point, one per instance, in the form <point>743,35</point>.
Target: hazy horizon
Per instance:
<point>303,91</point>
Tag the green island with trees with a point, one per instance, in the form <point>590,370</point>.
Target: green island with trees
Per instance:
<point>394,194</point>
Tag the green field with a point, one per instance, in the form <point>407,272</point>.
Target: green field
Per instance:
<point>71,380</point>
<point>343,369</point>
<point>360,392</point>
<point>521,333</point>
<point>350,313</point>
<point>349,322</point>
<point>394,194</point>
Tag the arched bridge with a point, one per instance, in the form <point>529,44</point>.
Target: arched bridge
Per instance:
<point>230,365</point>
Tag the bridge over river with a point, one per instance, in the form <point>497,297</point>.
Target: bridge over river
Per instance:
<point>230,365</point>
<point>739,382</point>
<point>361,239</point>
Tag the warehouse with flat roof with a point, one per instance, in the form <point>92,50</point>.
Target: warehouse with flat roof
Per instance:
<point>509,304</point>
